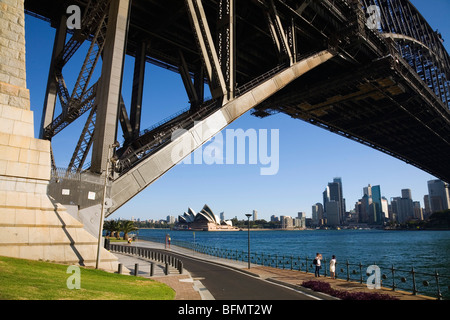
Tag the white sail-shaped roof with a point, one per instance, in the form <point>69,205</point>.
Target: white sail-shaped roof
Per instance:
<point>205,214</point>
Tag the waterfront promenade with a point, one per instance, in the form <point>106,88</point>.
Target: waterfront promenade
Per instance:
<point>193,287</point>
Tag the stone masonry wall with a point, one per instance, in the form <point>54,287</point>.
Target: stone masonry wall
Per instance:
<point>32,226</point>
<point>13,87</point>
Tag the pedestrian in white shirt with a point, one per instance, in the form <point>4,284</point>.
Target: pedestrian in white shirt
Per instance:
<point>333,267</point>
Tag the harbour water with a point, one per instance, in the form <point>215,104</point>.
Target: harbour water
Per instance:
<point>425,251</point>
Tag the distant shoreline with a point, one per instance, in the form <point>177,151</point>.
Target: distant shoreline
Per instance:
<point>307,229</point>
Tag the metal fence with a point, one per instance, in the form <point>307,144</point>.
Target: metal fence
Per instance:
<point>147,253</point>
<point>406,279</point>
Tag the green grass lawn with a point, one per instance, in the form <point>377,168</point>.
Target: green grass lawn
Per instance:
<point>35,280</point>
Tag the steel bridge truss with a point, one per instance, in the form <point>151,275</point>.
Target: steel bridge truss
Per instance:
<point>251,56</point>
<point>420,45</point>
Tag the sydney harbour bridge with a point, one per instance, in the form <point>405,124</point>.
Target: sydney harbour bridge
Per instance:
<point>373,71</point>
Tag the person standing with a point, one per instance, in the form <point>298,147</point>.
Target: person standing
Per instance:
<point>333,267</point>
<point>318,264</point>
<point>167,243</point>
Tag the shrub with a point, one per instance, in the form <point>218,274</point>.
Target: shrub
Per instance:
<point>325,287</point>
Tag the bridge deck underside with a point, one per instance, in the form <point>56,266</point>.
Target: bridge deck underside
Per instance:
<point>165,27</point>
<point>376,105</point>
<point>359,95</point>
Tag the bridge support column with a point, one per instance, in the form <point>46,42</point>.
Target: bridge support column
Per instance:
<point>278,33</point>
<point>227,44</point>
<point>32,226</point>
<point>207,48</point>
<point>138,90</point>
<point>110,84</point>
<point>52,90</point>
<point>187,81</point>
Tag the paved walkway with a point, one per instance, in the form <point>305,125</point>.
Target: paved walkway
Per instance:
<point>189,288</point>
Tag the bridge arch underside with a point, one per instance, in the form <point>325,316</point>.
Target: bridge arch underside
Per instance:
<point>384,105</point>
<point>386,88</point>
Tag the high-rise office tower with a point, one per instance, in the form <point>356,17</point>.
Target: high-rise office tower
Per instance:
<point>372,214</point>
<point>326,197</point>
<point>333,192</point>
<point>341,200</point>
<point>376,200</point>
<point>301,218</point>
<point>358,210</point>
<point>405,208</point>
<point>406,194</point>
<point>426,205</point>
<point>418,212</point>
<point>438,192</point>
<point>367,191</point>
<point>366,201</point>
<point>286,222</point>
<point>333,208</point>
<point>395,204</point>
<point>384,208</point>
<point>366,207</point>
<point>255,215</point>
<point>317,213</point>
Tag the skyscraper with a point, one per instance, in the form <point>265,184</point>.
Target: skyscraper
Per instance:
<point>372,207</point>
<point>255,215</point>
<point>333,208</point>
<point>426,205</point>
<point>366,201</point>
<point>438,192</point>
<point>406,194</point>
<point>367,191</point>
<point>418,212</point>
<point>384,208</point>
<point>286,222</point>
<point>317,213</point>
<point>395,204</point>
<point>301,220</point>
<point>405,207</point>
<point>376,200</point>
<point>326,197</point>
<point>333,192</point>
<point>341,200</point>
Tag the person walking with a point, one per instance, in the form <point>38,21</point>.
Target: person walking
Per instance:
<point>333,267</point>
<point>317,264</point>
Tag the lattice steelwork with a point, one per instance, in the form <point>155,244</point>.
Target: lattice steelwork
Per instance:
<point>371,70</point>
<point>420,45</point>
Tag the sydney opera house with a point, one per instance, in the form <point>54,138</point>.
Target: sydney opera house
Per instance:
<point>205,220</point>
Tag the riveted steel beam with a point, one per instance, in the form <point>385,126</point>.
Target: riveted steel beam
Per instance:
<point>110,84</point>
<point>207,48</point>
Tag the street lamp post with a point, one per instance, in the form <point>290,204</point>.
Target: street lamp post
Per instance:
<point>248,219</point>
<point>102,215</point>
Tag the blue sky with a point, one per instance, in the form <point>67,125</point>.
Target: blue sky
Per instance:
<point>309,157</point>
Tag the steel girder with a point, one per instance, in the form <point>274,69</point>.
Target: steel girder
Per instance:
<point>420,45</point>
<point>224,41</point>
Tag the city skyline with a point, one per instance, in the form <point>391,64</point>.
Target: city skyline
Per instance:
<point>309,156</point>
<point>349,206</point>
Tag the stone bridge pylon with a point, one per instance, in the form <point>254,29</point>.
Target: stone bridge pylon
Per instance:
<point>32,226</point>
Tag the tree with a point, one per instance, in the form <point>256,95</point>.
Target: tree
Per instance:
<point>113,226</point>
<point>439,220</point>
<point>127,226</point>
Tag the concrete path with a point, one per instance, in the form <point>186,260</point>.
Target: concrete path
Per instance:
<point>207,278</point>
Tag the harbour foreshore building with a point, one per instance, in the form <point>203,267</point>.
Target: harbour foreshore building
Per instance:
<point>438,196</point>
<point>204,220</point>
